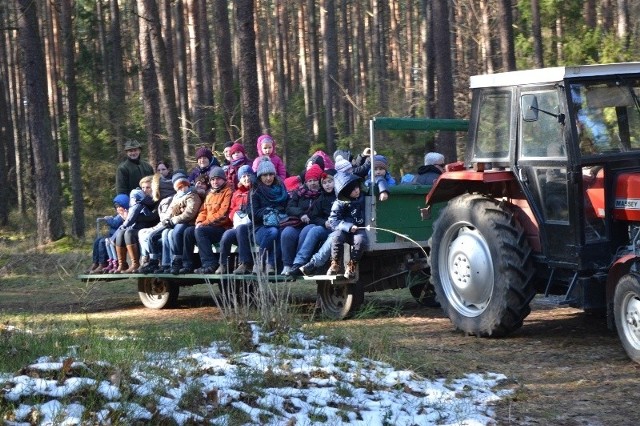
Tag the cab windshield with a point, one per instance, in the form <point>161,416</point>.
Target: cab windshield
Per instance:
<point>607,116</point>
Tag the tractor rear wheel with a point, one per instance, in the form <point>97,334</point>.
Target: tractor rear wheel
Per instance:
<point>481,266</point>
<point>626,312</point>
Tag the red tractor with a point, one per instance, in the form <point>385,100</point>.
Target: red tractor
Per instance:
<point>545,201</point>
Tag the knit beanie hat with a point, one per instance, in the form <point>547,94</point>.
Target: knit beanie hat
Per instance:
<point>264,139</point>
<point>136,195</point>
<point>343,166</point>
<point>217,172</point>
<point>121,200</point>
<point>433,158</point>
<point>329,172</point>
<point>292,183</point>
<point>265,167</point>
<point>228,144</point>
<point>237,147</point>
<point>315,159</point>
<point>380,161</point>
<point>246,169</point>
<point>204,152</point>
<point>177,178</point>
<point>314,172</point>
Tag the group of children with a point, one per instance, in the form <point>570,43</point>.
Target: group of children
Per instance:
<point>300,226</point>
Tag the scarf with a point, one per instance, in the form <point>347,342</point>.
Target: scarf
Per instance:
<point>274,194</point>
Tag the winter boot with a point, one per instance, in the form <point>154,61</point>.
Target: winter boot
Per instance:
<point>93,267</point>
<point>121,252</point>
<point>144,260</point>
<point>176,265</point>
<point>101,267</point>
<point>110,266</point>
<point>132,249</point>
<point>334,269</point>
<point>150,267</point>
<point>350,270</point>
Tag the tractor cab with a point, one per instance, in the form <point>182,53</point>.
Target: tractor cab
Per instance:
<point>571,137</point>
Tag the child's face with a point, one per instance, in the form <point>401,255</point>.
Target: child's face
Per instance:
<point>328,184</point>
<point>200,185</point>
<point>245,180</point>
<point>267,148</point>
<point>268,178</point>
<point>183,187</point>
<point>227,153</point>
<point>122,212</point>
<point>355,193</point>
<point>313,184</point>
<point>217,182</point>
<point>203,162</point>
<point>379,171</point>
<point>146,188</point>
<point>237,155</point>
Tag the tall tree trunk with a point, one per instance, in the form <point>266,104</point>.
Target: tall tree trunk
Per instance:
<point>314,67</point>
<point>150,94</point>
<point>281,78</point>
<point>117,98</point>
<point>73,132</point>
<point>149,10</point>
<point>623,21</point>
<point>536,30</point>
<point>6,124</point>
<point>49,223</point>
<point>380,53</point>
<point>507,48</point>
<point>328,28</point>
<point>225,68</point>
<point>590,14</point>
<point>446,142</point>
<point>197,88</point>
<point>346,79</point>
<point>249,99</point>
<point>208,135</point>
<point>485,37</point>
<point>182,70</point>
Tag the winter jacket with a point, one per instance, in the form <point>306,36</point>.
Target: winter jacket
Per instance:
<point>265,197</point>
<point>346,211</point>
<point>185,207</point>
<point>129,173</point>
<point>232,171</point>
<point>381,182</point>
<point>427,175</point>
<point>197,171</point>
<point>239,200</point>
<point>321,208</point>
<point>277,161</point>
<point>300,202</point>
<point>114,223</point>
<point>141,213</point>
<point>215,210</point>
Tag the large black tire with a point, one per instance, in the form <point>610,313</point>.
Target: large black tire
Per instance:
<point>158,293</point>
<point>481,266</point>
<point>626,312</point>
<point>339,301</point>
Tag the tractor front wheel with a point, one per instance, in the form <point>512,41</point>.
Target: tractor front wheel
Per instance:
<point>481,266</point>
<point>626,312</point>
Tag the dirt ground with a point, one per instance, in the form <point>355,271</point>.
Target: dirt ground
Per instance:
<point>564,366</point>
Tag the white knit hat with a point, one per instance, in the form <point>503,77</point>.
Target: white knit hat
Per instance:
<point>433,158</point>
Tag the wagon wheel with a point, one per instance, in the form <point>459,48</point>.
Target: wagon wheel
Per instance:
<point>158,293</point>
<point>339,301</point>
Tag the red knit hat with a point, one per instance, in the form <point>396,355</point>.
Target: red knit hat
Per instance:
<point>314,172</point>
<point>292,183</point>
<point>237,147</point>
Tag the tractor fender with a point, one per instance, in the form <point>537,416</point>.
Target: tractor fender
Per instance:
<point>450,184</point>
<point>620,267</point>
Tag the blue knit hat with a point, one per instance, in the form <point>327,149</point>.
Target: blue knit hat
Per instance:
<point>265,167</point>
<point>121,200</point>
<point>246,169</point>
<point>217,172</point>
<point>178,177</point>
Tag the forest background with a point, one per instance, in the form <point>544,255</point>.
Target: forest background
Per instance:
<point>79,77</point>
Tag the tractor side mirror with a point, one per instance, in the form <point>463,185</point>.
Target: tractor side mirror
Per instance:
<point>529,107</point>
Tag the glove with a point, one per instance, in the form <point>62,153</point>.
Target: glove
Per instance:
<point>167,223</point>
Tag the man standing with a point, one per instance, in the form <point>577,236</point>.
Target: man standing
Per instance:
<point>131,170</point>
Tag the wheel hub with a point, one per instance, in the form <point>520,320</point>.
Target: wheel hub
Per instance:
<point>632,319</point>
<point>470,271</point>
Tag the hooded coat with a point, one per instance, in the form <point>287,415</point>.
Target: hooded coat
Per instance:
<point>346,211</point>
<point>277,161</point>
